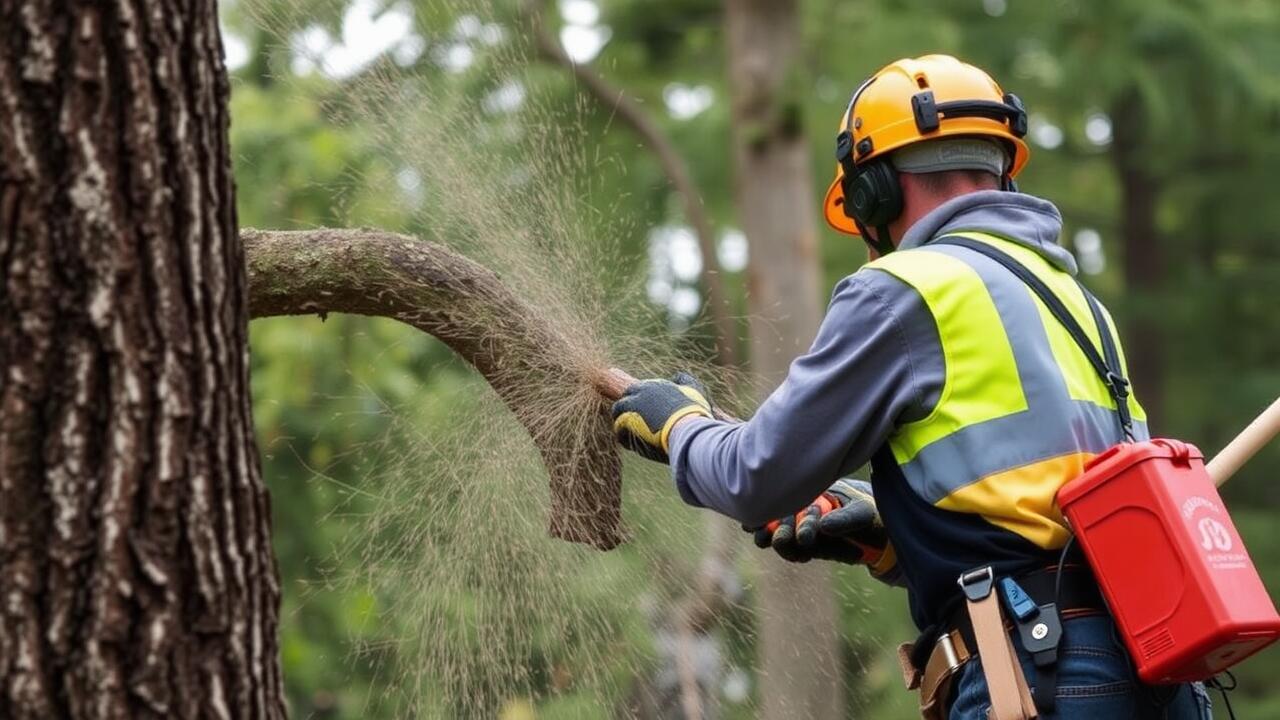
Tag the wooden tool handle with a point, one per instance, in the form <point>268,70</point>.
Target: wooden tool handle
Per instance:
<point>612,383</point>
<point>1246,445</point>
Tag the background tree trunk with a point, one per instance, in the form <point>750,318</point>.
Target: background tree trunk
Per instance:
<point>800,673</point>
<point>1144,263</point>
<point>135,548</point>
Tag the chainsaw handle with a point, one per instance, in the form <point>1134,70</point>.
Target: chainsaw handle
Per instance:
<point>612,383</point>
<point>1245,445</point>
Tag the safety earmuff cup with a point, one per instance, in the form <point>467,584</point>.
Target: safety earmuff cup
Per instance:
<point>872,193</point>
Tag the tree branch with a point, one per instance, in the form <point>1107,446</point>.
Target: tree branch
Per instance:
<point>528,362</point>
<point>673,166</point>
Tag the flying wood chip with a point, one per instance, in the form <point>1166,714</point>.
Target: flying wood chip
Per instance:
<point>466,306</point>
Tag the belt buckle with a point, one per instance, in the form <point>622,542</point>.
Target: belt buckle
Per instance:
<point>949,652</point>
<point>977,583</point>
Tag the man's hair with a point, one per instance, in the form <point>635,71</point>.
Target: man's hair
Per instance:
<point>940,183</point>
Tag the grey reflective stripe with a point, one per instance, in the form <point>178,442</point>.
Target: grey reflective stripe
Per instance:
<point>977,451</point>
<point>1022,325</point>
<point>1053,424</point>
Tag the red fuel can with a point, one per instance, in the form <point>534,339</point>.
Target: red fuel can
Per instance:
<point>1172,567</point>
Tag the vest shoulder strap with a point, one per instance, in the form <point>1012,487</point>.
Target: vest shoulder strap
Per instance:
<point>1106,364</point>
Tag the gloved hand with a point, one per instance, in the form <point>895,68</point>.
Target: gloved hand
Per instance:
<point>842,524</point>
<point>643,418</point>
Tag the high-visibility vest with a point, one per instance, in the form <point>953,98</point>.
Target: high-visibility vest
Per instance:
<point>1020,412</point>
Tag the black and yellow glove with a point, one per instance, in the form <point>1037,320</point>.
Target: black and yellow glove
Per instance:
<point>842,524</point>
<point>643,418</point>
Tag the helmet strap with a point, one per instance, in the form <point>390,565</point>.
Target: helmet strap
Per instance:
<point>884,243</point>
<point>881,242</point>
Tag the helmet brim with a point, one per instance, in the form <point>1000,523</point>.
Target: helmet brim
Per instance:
<point>833,207</point>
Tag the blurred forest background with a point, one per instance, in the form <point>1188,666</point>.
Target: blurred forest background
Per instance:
<point>1155,127</point>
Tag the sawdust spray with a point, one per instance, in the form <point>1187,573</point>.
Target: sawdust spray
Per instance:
<point>481,610</point>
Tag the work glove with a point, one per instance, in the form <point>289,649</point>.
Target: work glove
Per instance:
<point>643,418</point>
<point>842,524</point>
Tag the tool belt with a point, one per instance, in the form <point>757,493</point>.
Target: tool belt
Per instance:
<point>976,625</point>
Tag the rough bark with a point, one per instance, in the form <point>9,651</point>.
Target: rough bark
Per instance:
<point>135,553</point>
<point>800,673</point>
<point>621,106</point>
<point>526,361</point>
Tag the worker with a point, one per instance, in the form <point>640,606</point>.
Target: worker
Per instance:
<point>973,394</point>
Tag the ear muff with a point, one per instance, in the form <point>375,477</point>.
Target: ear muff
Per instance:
<point>873,193</point>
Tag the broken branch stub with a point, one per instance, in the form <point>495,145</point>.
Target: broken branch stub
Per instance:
<point>467,307</point>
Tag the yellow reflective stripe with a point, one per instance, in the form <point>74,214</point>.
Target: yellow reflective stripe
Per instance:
<point>1081,380</point>
<point>1022,500</point>
<point>981,377</point>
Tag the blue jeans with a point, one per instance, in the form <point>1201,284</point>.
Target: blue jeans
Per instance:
<point>1095,682</point>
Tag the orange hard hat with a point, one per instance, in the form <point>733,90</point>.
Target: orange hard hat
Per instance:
<point>920,99</point>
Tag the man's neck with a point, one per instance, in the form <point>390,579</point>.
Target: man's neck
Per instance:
<point>919,202</point>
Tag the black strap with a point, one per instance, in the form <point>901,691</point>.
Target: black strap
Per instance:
<point>1107,364</point>
<point>880,242</point>
<point>1044,694</point>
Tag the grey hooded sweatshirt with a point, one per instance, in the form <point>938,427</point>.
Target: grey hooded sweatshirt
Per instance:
<point>876,363</point>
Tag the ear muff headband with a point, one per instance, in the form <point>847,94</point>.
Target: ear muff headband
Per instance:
<point>930,114</point>
<point>872,193</point>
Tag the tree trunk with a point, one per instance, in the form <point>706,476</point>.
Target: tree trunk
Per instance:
<point>800,674</point>
<point>135,549</point>
<point>1144,257</point>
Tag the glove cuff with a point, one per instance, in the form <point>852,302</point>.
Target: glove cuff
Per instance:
<point>677,416</point>
<point>846,488</point>
<point>887,561</point>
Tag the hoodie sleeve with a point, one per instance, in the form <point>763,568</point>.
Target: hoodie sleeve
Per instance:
<point>876,362</point>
